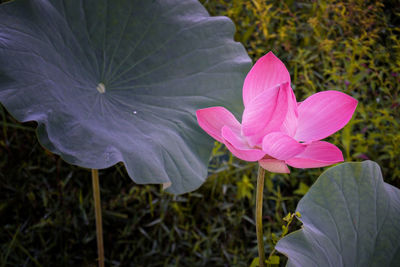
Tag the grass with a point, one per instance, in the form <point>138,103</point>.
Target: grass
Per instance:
<point>47,214</point>
<point>46,206</point>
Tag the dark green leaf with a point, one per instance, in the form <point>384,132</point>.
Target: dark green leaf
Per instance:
<point>120,81</point>
<point>350,218</point>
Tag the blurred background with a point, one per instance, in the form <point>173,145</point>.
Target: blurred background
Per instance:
<point>46,206</point>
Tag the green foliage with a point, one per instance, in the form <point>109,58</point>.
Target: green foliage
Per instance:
<point>244,188</point>
<point>302,190</point>
<point>46,211</point>
<point>350,46</point>
<point>274,260</point>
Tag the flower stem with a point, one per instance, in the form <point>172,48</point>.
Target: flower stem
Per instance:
<point>97,209</point>
<point>259,205</point>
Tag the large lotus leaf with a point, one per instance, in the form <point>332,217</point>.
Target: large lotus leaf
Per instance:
<point>120,81</point>
<point>350,218</point>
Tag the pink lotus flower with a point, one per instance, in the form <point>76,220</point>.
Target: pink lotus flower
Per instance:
<point>276,130</point>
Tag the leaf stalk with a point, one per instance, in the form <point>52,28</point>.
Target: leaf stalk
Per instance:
<point>259,205</point>
<point>97,209</point>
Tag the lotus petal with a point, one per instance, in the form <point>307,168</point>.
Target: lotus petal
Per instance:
<point>265,113</point>
<point>289,125</point>
<point>317,154</point>
<point>274,165</point>
<point>238,145</point>
<point>281,146</point>
<point>267,73</point>
<point>323,114</point>
<point>213,119</point>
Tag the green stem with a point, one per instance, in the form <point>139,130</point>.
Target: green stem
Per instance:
<point>97,209</point>
<point>270,257</point>
<point>259,205</point>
